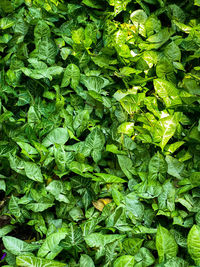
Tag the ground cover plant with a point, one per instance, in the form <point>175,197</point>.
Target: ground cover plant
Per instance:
<point>99,133</point>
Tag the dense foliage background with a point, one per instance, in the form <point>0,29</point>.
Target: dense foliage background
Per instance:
<point>100,133</point>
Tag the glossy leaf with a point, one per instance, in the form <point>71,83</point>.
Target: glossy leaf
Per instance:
<point>168,92</point>
<point>193,242</point>
<point>86,261</point>
<point>56,136</point>
<point>17,246</point>
<point>99,133</point>
<point>124,261</point>
<point>71,76</point>
<point>165,244</point>
<point>31,261</point>
<point>33,171</point>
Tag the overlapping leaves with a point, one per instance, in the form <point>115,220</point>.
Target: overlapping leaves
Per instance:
<point>100,130</point>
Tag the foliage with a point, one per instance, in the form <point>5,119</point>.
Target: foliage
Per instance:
<point>100,133</point>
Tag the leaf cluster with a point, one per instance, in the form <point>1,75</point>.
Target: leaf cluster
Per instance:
<point>100,133</point>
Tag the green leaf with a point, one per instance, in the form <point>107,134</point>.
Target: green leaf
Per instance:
<point>193,242</point>
<point>5,230</point>
<point>73,238</point>
<point>117,197</point>
<point>126,128</point>
<point>42,30</point>
<point>80,168</point>
<point>94,144</point>
<point>86,261</point>
<point>33,171</point>
<point>17,246</point>
<point>78,36</point>
<point>71,76</point>
<point>16,164</point>
<point>126,165</point>
<point>165,128</point>
<point>93,4</point>
<point>38,207</point>
<point>173,52</point>
<point>55,70</point>
<point>100,240</point>
<point>6,23</point>
<point>144,258</point>
<point>149,189</point>
<point>173,147</point>
<point>165,244</point>
<point>14,207</point>
<point>139,18</point>
<point>57,188</point>
<point>197,2</point>
<point>175,167</point>
<point>41,71</point>
<point>94,83</point>
<point>62,157</point>
<point>134,206</point>
<point>159,38</point>
<point>168,92</point>
<point>57,136</point>
<point>119,5</point>
<point>31,261</point>
<point>2,185</point>
<point>195,178</point>
<point>108,178</point>
<point>27,148</point>
<point>132,245</point>
<point>50,248</point>
<point>47,50</point>
<point>165,70</point>
<point>176,262</point>
<point>157,165</point>
<point>166,200</point>
<point>127,261</point>
<point>132,103</point>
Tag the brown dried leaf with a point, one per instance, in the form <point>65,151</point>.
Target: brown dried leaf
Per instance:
<point>100,204</point>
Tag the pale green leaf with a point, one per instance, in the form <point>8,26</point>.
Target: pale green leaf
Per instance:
<point>124,261</point>
<point>94,144</point>
<point>6,23</point>
<point>94,83</point>
<point>144,258</point>
<point>33,171</point>
<point>165,244</point>
<point>5,230</point>
<point>168,92</point>
<point>86,261</point>
<point>57,136</point>
<point>100,240</point>
<point>17,246</point>
<point>50,248</point>
<point>126,128</point>
<point>38,207</point>
<point>193,242</point>
<point>197,2</point>
<point>165,128</point>
<point>134,206</point>
<point>31,261</point>
<point>14,207</point>
<point>27,148</point>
